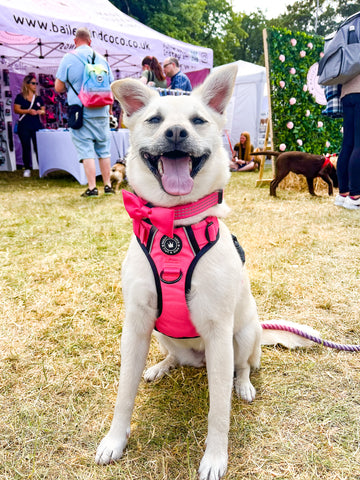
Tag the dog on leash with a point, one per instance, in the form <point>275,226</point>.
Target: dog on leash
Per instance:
<point>307,164</point>
<point>178,168</point>
<point>117,175</point>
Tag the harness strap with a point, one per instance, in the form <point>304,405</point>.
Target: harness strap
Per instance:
<point>173,261</point>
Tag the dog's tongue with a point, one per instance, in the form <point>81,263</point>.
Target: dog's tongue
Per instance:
<point>176,179</point>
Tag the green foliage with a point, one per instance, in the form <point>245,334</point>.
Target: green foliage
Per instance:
<point>305,114</point>
<point>208,23</point>
<point>233,36</point>
<point>251,47</point>
<point>301,15</point>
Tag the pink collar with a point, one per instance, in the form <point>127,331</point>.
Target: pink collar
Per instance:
<point>163,218</point>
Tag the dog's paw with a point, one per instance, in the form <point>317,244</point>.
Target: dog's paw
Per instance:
<point>110,449</point>
<point>245,390</point>
<point>160,369</point>
<point>212,466</point>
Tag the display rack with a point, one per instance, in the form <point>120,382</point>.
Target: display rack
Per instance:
<point>7,147</point>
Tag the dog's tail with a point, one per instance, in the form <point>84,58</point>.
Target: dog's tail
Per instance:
<point>267,152</point>
<point>282,332</point>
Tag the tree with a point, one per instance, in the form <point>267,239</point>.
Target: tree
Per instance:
<point>208,23</point>
<point>301,16</point>
<point>234,36</point>
<point>251,48</point>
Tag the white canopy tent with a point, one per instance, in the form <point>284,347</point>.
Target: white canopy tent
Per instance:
<point>36,34</point>
<point>246,106</point>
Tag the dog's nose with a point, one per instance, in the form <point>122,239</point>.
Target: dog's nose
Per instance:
<point>176,134</point>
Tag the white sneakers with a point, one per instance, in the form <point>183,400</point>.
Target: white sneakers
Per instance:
<point>27,173</point>
<point>339,200</point>
<point>351,204</point>
<point>347,202</point>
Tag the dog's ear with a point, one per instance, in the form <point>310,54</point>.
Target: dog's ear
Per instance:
<point>132,94</point>
<point>217,89</point>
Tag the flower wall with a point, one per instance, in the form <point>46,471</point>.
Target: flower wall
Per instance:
<point>298,123</point>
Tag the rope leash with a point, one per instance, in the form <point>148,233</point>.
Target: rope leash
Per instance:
<point>320,341</point>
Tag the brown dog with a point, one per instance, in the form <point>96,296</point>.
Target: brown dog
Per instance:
<point>117,175</point>
<point>307,164</point>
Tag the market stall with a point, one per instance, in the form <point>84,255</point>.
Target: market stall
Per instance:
<point>35,35</point>
<point>63,154</point>
<point>247,106</point>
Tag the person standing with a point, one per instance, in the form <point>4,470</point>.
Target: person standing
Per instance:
<point>348,164</point>
<point>93,138</point>
<point>178,79</point>
<point>152,73</point>
<point>30,107</point>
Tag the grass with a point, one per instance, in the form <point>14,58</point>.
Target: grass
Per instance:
<point>60,325</point>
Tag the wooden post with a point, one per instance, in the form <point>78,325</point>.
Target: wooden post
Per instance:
<point>269,126</point>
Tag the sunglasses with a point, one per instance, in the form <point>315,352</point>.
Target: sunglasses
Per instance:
<point>33,83</point>
<point>167,64</point>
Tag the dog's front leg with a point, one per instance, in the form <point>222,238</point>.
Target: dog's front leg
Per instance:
<point>328,180</point>
<point>220,368</point>
<point>135,345</point>
<point>310,182</point>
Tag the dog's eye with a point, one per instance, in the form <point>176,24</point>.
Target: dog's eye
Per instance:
<point>154,119</point>
<point>198,121</point>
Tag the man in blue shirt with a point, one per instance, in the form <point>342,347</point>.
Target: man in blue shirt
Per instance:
<point>93,138</point>
<point>178,79</point>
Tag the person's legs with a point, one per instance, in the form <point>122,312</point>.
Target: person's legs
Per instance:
<point>33,138</point>
<point>25,139</point>
<point>102,149</point>
<point>347,145</point>
<point>90,172</point>
<point>354,162</point>
<point>105,169</point>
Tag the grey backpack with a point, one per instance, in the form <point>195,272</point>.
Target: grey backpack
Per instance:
<point>341,60</point>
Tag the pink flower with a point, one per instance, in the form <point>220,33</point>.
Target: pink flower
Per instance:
<point>310,45</point>
<point>282,58</point>
<point>302,53</point>
<point>282,83</point>
<point>299,142</point>
<point>342,129</point>
<point>292,101</point>
<point>292,71</point>
<point>307,113</point>
<point>305,88</point>
<point>321,54</point>
<point>327,144</point>
<point>290,125</point>
<point>293,42</point>
<point>282,147</point>
<point>320,124</point>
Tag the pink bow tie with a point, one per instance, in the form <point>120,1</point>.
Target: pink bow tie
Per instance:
<point>161,218</point>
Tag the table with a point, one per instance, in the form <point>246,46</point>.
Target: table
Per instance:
<point>57,152</point>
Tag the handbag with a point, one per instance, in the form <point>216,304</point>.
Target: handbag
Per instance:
<point>341,61</point>
<point>75,116</point>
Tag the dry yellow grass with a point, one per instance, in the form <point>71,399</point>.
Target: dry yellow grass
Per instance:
<point>61,316</point>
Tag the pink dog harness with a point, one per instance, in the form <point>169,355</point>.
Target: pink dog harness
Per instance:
<point>173,253</point>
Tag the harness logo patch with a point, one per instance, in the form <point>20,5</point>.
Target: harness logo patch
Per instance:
<point>170,246</point>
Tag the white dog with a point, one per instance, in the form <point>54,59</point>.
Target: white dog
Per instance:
<point>176,160</point>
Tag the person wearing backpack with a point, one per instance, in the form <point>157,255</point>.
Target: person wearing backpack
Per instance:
<point>88,113</point>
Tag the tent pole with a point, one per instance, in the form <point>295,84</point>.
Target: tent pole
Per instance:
<point>269,127</point>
